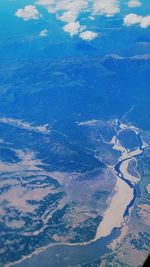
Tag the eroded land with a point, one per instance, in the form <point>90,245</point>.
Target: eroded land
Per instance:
<point>52,191</point>
<point>131,248</point>
<point>58,191</point>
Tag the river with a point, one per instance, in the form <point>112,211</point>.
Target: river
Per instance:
<point>114,218</point>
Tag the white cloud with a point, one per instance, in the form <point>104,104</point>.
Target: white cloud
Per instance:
<point>43,33</point>
<point>132,19</point>
<point>145,22</point>
<point>45,2</point>
<point>71,11</point>
<point>65,8</point>
<point>69,16</point>
<point>72,28</point>
<point>88,35</point>
<point>29,12</point>
<point>134,3</point>
<point>106,7</point>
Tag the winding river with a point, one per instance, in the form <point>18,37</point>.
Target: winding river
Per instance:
<point>126,187</point>
<point>114,218</point>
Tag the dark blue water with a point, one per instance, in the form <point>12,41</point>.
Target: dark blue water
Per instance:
<point>131,184</point>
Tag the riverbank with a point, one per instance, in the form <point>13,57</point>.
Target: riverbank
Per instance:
<point>125,190</point>
<point>114,218</point>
